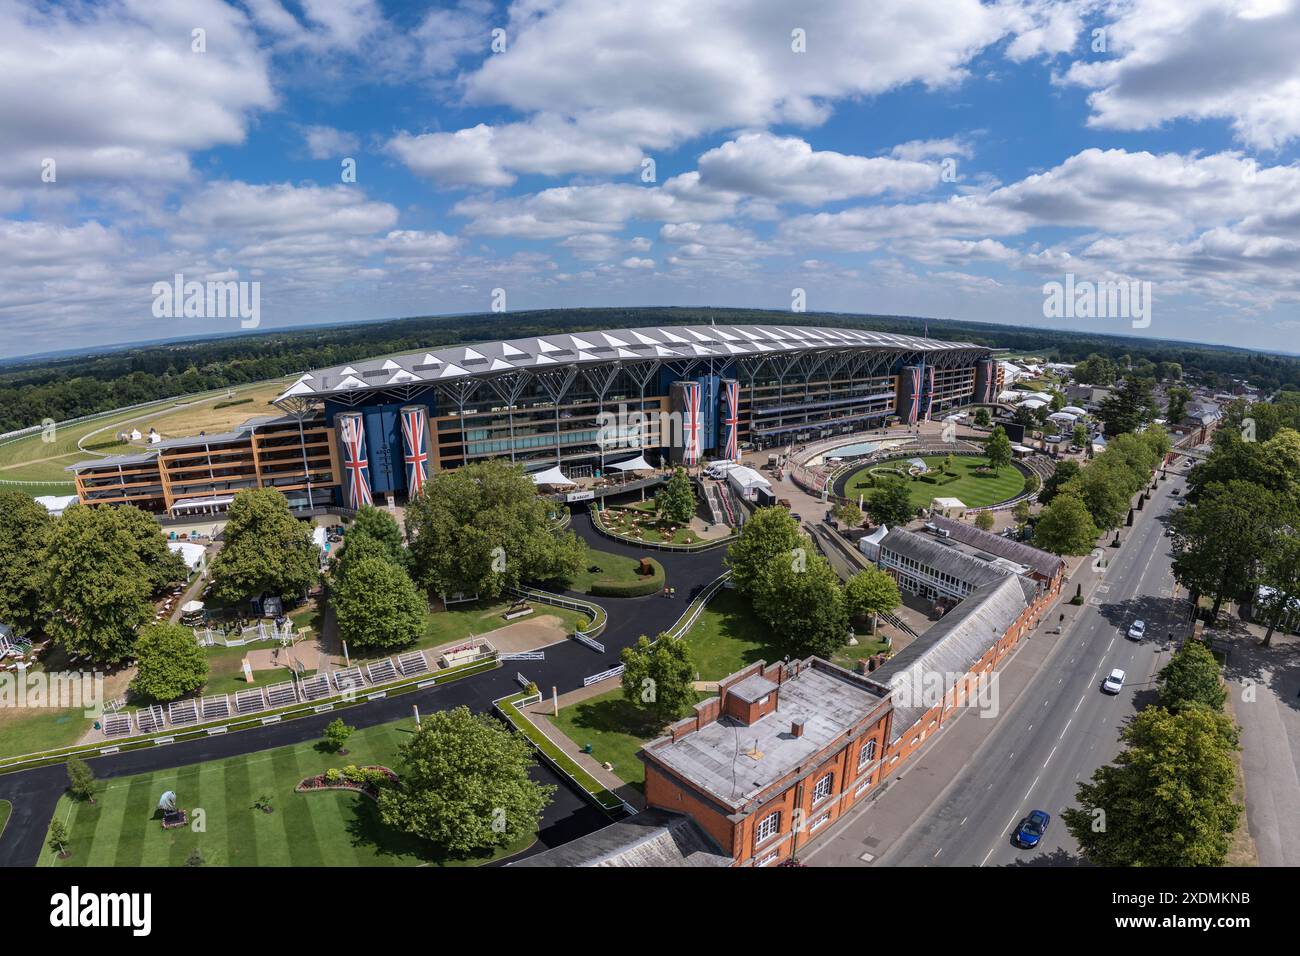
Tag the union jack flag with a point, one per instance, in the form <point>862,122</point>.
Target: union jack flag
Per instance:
<point>414,442</point>
<point>732,420</point>
<point>691,394</point>
<point>929,393</point>
<point>915,410</point>
<point>356,463</point>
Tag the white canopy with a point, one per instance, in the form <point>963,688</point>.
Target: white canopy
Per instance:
<point>636,464</point>
<point>1074,410</point>
<point>551,476</point>
<point>191,607</point>
<point>55,504</point>
<point>1063,417</point>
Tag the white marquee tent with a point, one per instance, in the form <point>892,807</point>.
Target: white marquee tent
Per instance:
<point>551,476</point>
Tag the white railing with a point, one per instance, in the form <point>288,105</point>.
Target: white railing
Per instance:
<point>603,675</point>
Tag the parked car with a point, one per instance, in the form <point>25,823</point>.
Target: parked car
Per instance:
<point>1029,833</point>
<point>1114,682</point>
<point>1137,630</point>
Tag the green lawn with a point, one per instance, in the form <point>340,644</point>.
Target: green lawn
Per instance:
<point>627,521</point>
<point>306,829</point>
<point>848,657</point>
<point>615,729</point>
<point>728,636</point>
<point>5,808</point>
<point>611,570</point>
<point>35,729</point>
<point>974,490</point>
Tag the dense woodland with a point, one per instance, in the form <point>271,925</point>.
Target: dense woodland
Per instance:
<point>71,386</point>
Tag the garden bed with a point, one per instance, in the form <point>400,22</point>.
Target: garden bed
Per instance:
<point>364,780</point>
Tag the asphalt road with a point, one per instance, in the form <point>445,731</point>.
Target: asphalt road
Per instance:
<point>34,793</point>
<point>1062,727</point>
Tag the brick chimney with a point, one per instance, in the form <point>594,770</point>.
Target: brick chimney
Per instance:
<point>796,728</point>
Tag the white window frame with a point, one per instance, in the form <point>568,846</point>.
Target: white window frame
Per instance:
<point>867,753</point>
<point>775,818</point>
<point>829,781</point>
<point>767,858</point>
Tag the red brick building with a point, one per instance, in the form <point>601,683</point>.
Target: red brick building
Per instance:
<point>780,753</point>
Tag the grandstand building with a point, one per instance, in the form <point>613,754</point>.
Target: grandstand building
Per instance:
<point>375,431</point>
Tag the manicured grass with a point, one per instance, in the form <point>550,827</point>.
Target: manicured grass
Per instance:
<point>848,657</point>
<point>330,828</point>
<point>974,490</point>
<point>612,570</point>
<point>36,729</point>
<point>5,808</point>
<point>604,797</point>
<point>639,524</point>
<point>728,636</point>
<point>616,730</point>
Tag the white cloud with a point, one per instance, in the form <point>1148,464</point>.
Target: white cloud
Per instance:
<point>786,168</point>
<point>115,91</point>
<point>326,142</point>
<point>1232,60</point>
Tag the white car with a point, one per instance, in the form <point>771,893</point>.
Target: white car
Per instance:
<point>1114,682</point>
<point>1138,630</point>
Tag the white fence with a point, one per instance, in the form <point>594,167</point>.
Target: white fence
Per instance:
<point>261,631</point>
<point>603,675</point>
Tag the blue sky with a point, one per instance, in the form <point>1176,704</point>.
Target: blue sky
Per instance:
<point>1133,141</point>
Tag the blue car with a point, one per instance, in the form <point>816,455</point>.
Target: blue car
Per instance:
<point>1031,829</point>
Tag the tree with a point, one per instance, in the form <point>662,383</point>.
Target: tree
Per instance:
<point>1021,512</point>
<point>1124,409</point>
<point>169,663</point>
<point>1065,527</point>
<point>25,531</point>
<point>1105,487</point>
<point>483,528</point>
<point>770,532</point>
<point>97,585</point>
<point>1080,435</point>
<point>659,677</point>
<point>1280,572</point>
<point>998,448</point>
<point>982,417</point>
<point>984,520</point>
<point>380,526</point>
<point>1166,801</point>
<point>676,501</point>
<point>1065,471</point>
<point>464,785</point>
<point>1191,678</point>
<point>267,550</point>
<point>849,515</point>
<point>58,840</point>
<point>377,605</point>
<point>871,592</point>
<point>1218,539</point>
<point>891,503</point>
<point>1176,400</point>
<point>81,779</point>
<point>162,565</point>
<point>336,735</point>
<point>800,598</point>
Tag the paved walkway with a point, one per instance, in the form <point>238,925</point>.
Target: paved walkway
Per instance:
<point>541,716</point>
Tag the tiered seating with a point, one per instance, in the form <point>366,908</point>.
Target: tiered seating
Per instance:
<point>314,688</point>
<point>117,725</point>
<point>148,719</point>
<point>281,695</point>
<point>181,712</point>
<point>249,702</point>
<point>381,671</point>
<point>216,707</point>
<point>412,663</point>
<point>349,678</point>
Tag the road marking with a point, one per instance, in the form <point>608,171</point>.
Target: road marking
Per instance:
<point>1081,697</point>
<point>1031,787</point>
<point>1049,757</point>
<point>963,821</point>
<point>1067,727</point>
<point>937,852</point>
<point>988,854</point>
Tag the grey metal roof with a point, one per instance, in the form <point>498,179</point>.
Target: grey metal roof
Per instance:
<point>952,645</point>
<point>150,452</point>
<point>934,554</point>
<point>734,762</point>
<point>652,837</point>
<point>663,342</point>
<point>1043,562</point>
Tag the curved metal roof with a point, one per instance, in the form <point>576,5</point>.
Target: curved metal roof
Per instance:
<point>536,353</point>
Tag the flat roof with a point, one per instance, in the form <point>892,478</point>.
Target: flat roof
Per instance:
<point>734,763</point>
